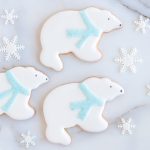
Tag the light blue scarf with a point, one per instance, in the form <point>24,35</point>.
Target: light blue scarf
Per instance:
<point>86,105</point>
<point>84,34</point>
<point>15,89</point>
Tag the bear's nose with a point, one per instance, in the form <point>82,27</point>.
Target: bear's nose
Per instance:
<point>120,25</point>
<point>46,79</point>
<point>121,91</point>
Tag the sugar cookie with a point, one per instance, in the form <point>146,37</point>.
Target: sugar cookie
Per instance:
<point>77,32</point>
<point>15,90</point>
<point>79,104</point>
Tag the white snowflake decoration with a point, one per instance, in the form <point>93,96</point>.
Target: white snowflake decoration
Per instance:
<point>9,16</point>
<point>126,126</point>
<point>28,140</point>
<point>128,59</point>
<point>142,24</point>
<point>148,87</point>
<point>11,48</point>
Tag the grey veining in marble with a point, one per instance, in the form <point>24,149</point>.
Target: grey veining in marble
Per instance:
<point>141,6</point>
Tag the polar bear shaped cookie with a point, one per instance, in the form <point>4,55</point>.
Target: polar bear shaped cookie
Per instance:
<point>77,32</point>
<point>79,104</point>
<point>15,90</point>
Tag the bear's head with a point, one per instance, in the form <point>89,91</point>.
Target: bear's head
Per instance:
<point>103,19</point>
<point>104,88</point>
<point>29,77</point>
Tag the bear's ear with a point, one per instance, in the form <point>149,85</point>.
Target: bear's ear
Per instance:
<point>106,11</point>
<point>107,80</point>
<point>31,68</point>
<point>17,68</point>
<point>92,80</point>
<point>92,10</point>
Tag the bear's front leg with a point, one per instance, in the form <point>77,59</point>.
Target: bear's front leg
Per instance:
<point>94,124</point>
<point>20,109</point>
<point>94,121</point>
<point>88,52</point>
<point>21,114</point>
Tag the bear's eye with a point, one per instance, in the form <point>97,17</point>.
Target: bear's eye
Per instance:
<point>108,18</point>
<point>36,75</point>
<point>110,86</point>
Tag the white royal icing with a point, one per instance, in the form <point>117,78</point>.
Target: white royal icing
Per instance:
<point>60,115</point>
<point>15,90</point>
<point>128,59</point>
<point>11,48</point>
<point>9,16</point>
<point>126,126</point>
<point>28,140</point>
<point>77,32</point>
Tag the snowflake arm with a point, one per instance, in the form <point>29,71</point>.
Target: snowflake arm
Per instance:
<point>148,87</point>
<point>126,126</point>
<point>9,16</point>
<point>133,68</point>
<point>11,48</point>
<point>142,24</point>
<point>127,60</point>
<point>28,140</point>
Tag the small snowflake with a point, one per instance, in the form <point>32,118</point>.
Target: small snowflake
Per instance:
<point>9,16</point>
<point>28,140</point>
<point>148,87</point>
<point>126,126</point>
<point>128,59</point>
<point>11,48</point>
<point>142,24</point>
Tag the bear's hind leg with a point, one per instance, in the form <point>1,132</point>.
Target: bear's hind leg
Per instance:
<point>51,60</point>
<point>57,135</point>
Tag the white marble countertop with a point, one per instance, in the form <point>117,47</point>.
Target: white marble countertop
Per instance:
<point>135,103</point>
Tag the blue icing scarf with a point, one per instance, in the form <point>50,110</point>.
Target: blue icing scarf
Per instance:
<point>84,34</point>
<point>16,88</point>
<point>86,105</point>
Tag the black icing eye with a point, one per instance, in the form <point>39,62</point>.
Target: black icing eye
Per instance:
<point>108,18</point>
<point>110,86</point>
<point>36,75</point>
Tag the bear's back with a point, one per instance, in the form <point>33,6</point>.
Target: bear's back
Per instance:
<point>54,31</point>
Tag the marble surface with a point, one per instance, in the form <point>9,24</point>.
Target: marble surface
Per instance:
<point>140,6</point>
<point>135,103</point>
